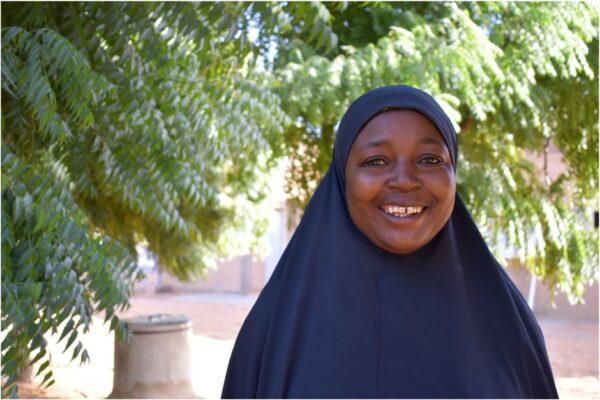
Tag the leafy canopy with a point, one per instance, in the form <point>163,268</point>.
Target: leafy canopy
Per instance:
<point>516,78</point>
<point>125,123</point>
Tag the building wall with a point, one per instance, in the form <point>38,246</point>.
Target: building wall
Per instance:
<point>559,307</point>
<point>241,275</point>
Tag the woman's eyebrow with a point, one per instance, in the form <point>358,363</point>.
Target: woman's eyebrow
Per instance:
<point>386,142</point>
<point>428,140</point>
<point>378,143</point>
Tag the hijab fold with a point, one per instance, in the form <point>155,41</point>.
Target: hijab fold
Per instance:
<point>342,318</point>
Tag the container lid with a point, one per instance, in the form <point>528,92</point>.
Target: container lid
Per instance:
<point>158,323</point>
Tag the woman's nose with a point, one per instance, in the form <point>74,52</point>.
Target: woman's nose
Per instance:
<point>403,178</point>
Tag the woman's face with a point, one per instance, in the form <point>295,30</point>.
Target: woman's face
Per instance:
<point>400,181</point>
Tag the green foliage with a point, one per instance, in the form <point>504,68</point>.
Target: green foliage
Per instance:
<point>514,77</point>
<point>125,123</point>
<point>55,270</point>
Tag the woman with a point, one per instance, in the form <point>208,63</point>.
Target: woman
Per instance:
<point>387,288</point>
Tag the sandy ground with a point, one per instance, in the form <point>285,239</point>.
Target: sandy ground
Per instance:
<point>216,319</point>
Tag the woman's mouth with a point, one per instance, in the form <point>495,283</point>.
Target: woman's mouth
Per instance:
<point>402,211</point>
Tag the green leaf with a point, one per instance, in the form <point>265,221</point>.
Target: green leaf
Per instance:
<point>67,329</point>
<point>47,378</point>
<point>71,340</point>
<point>38,356</point>
<point>43,367</point>
<point>77,350</point>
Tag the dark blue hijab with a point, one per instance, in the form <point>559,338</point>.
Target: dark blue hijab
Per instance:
<point>343,318</point>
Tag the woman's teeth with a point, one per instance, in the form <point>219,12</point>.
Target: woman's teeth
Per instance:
<point>402,211</point>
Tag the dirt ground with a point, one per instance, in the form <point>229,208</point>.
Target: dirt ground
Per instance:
<point>216,319</point>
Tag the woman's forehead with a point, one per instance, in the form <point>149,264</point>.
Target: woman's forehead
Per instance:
<point>399,123</point>
<point>391,116</point>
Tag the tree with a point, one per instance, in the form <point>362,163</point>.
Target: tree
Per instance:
<point>514,77</point>
<point>125,123</point>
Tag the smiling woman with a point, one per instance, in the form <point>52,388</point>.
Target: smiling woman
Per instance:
<point>400,182</point>
<point>387,288</point>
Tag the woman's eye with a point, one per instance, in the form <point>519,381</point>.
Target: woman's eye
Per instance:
<point>431,160</point>
<point>374,162</point>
